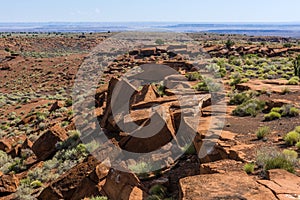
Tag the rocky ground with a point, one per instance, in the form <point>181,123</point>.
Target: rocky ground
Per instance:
<point>255,151</point>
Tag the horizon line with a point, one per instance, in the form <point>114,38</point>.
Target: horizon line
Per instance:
<point>197,22</point>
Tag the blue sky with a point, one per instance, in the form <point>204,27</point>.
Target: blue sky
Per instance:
<point>154,10</point>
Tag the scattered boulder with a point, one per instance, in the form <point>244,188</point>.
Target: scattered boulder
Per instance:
<point>221,167</point>
<point>121,186</point>
<point>44,147</point>
<point>8,184</point>
<point>57,105</point>
<point>283,184</point>
<point>75,184</point>
<point>5,145</point>
<point>232,185</point>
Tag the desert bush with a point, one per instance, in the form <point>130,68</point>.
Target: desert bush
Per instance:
<point>276,109</point>
<point>229,43</point>
<point>289,111</point>
<point>99,198</point>
<point>216,70</point>
<point>69,102</point>
<point>140,168</point>
<point>284,111</point>
<point>36,184</point>
<point>71,142</point>
<point>193,76</point>
<point>291,154</point>
<point>189,149</point>
<point>298,145</point>
<point>270,158</point>
<point>208,85</point>
<point>285,90</point>
<point>235,78</point>
<point>263,132</point>
<point>159,42</point>
<point>272,116</point>
<point>238,98</point>
<point>279,162</point>
<point>159,191</point>
<point>249,108</point>
<point>293,81</point>
<point>249,168</point>
<point>17,165</point>
<point>297,129</point>
<point>24,192</point>
<point>292,138</point>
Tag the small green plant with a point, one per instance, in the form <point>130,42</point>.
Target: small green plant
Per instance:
<point>140,168</point>
<point>69,102</point>
<point>237,98</point>
<point>270,158</point>
<point>285,90</point>
<point>298,145</point>
<point>36,184</point>
<point>263,132</point>
<point>294,81</point>
<point>249,168</point>
<point>158,190</point>
<point>280,162</point>
<point>291,154</point>
<point>229,43</point>
<point>159,42</point>
<point>193,76</point>
<point>293,112</point>
<point>272,116</point>
<point>235,79</point>
<point>189,149</point>
<point>208,85</point>
<point>99,198</point>
<point>161,90</point>
<point>292,138</point>
<point>276,109</point>
<point>249,108</point>
<point>289,111</point>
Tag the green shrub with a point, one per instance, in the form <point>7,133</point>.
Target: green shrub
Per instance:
<point>99,198</point>
<point>272,116</point>
<point>249,168</point>
<point>208,85</point>
<point>298,145</point>
<point>193,76</point>
<point>140,168</point>
<point>285,90</point>
<point>293,112</point>
<point>235,79</point>
<point>36,184</point>
<point>159,42</point>
<point>292,138</point>
<point>297,129</point>
<point>276,109</point>
<point>280,162</point>
<point>69,102</point>
<point>270,158</point>
<point>289,111</point>
<point>293,81</point>
<point>189,149</point>
<point>262,132</point>
<point>249,108</point>
<point>229,43</point>
<point>238,98</point>
<point>290,154</point>
<point>158,190</point>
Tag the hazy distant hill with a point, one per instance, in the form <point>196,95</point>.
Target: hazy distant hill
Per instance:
<point>272,29</point>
